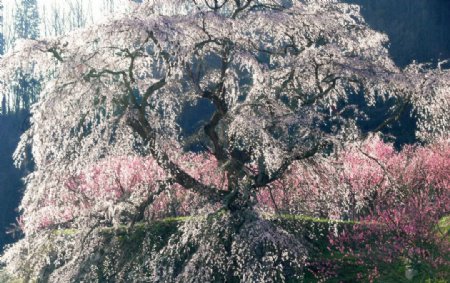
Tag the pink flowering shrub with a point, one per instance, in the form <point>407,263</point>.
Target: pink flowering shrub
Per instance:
<point>341,187</point>
<point>396,200</point>
<point>118,186</point>
<point>402,224</point>
<point>348,185</point>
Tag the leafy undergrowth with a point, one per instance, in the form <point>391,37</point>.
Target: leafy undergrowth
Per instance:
<point>324,264</point>
<point>444,226</point>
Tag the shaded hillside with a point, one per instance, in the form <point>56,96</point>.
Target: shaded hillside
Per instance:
<point>11,127</point>
<point>418,29</point>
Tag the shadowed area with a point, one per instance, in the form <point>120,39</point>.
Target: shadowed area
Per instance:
<point>11,127</point>
<point>417,29</point>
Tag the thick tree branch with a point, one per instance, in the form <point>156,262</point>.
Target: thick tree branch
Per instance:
<point>262,180</point>
<point>141,126</point>
<point>55,54</point>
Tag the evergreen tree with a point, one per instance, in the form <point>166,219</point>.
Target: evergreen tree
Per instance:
<point>26,20</point>
<point>1,28</point>
<point>26,26</point>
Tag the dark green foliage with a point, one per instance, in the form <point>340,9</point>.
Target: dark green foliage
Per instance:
<point>26,21</point>
<point>2,39</point>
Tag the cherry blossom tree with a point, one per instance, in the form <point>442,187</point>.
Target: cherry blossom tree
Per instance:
<point>108,140</point>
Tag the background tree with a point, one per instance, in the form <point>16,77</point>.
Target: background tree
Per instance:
<point>1,29</point>
<point>26,24</point>
<point>276,76</point>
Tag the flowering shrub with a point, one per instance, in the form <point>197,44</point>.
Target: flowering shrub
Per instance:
<point>113,189</point>
<point>402,225</point>
<point>340,187</point>
<point>396,200</point>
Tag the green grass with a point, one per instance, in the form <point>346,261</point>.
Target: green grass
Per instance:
<point>444,226</point>
<point>65,232</point>
<point>311,219</point>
